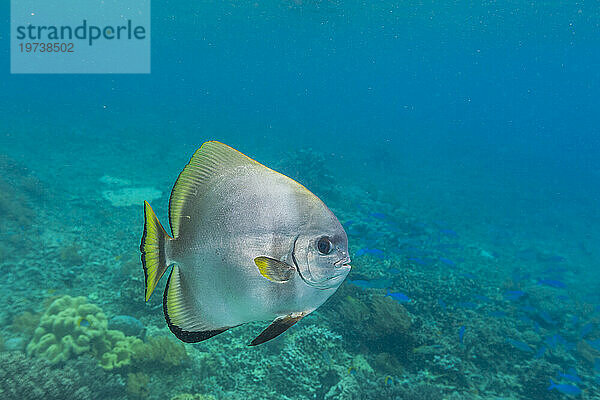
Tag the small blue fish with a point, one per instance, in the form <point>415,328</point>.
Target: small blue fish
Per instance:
<point>84,323</point>
<point>469,305</point>
<point>497,314</point>
<point>546,318</point>
<point>555,259</point>
<point>564,388</point>
<point>519,345</point>
<point>461,334</point>
<point>529,309</point>
<point>552,283</point>
<point>540,353</point>
<point>469,275</point>
<point>448,261</point>
<point>399,297</point>
<point>555,340</point>
<point>481,298</point>
<point>442,304</point>
<point>513,295</point>
<point>394,271</point>
<point>586,330</point>
<point>379,215</point>
<point>375,252</point>
<point>448,232</point>
<point>570,375</point>
<point>418,260</point>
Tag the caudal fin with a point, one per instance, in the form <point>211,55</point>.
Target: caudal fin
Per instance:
<point>154,258</point>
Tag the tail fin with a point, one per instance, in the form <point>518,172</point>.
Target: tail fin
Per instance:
<point>154,258</point>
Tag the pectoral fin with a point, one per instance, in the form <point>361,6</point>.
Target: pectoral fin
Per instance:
<point>274,270</point>
<point>277,327</point>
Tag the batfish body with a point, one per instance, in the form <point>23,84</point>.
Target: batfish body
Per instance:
<point>247,244</point>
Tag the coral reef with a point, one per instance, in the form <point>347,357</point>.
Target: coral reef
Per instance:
<point>25,323</point>
<point>71,326</point>
<point>303,364</point>
<point>378,322</point>
<point>33,379</point>
<point>16,193</point>
<point>137,385</point>
<point>188,396</point>
<point>70,256</point>
<point>127,324</point>
<point>160,351</point>
<point>481,322</point>
<point>422,392</point>
<point>116,350</point>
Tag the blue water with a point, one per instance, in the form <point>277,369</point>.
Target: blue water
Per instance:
<point>457,143</point>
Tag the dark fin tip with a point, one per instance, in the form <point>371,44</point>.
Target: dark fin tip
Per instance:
<point>162,259</point>
<point>144,253</point>
<point>183,335</point>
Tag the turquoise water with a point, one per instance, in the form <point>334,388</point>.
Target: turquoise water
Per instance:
<point>458,144</point>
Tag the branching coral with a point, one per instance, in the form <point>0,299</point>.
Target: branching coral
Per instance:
<point>137,385</point>
<point>16,192</point>
<point>28,379</point>
<point>377,322</point>
<point>389,317</point>
<point>162,351</point>
<point>25,323</point>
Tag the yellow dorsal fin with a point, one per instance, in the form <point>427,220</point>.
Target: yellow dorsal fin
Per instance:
<point>209,159</point>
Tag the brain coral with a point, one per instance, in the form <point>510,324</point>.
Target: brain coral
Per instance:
<point>71,327</point>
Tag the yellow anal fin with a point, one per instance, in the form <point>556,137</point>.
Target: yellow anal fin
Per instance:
<point>153,247</point>
<point>274,270</point>
<point>182,317</point>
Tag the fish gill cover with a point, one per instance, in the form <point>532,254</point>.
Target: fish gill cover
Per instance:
<point>457,144</point>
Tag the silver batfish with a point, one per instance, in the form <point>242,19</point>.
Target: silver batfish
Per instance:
<point>247,244</point>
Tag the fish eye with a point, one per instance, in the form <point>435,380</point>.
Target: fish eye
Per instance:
<point>324,245</point>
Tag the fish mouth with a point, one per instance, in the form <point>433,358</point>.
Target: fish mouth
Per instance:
<point>343,263</point>
<point>343,266</point>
